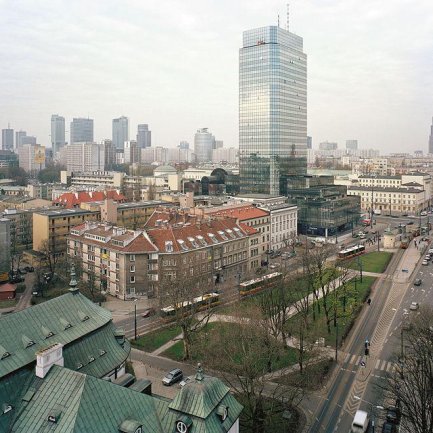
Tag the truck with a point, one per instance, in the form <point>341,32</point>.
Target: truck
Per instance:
<point>360,422</point>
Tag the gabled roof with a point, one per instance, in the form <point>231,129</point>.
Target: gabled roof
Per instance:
<point>68,318</point>
<point>244,213</point>
<point>74,199</point>
<point>85,404</point>
<point>199,235</point>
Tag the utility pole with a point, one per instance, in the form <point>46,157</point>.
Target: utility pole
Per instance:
<point>378,240</point>
<point>372,204</point>
<point>135,321</point>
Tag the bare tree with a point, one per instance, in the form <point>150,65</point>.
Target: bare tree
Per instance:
<point>411,385</point>
<point>245,354</point>
<point>50,257</point>
<point>191,309</point>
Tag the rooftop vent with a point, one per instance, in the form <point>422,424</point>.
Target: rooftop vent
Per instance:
<point>54,416</point>
<point>130,426</point>
<point>83,317</point>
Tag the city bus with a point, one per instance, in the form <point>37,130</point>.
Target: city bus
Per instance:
<point>258,284</point>
<point>185,308</point>
<point>352,251</point>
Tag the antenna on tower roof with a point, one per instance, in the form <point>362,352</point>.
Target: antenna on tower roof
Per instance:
<point>288,16</point>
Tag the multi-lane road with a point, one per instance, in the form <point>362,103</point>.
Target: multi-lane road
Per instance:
<point>355,386</point>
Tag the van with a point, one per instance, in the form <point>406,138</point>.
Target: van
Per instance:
<point>360,422</point>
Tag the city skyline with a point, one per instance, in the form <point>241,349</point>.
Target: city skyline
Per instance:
<point>362,83</point>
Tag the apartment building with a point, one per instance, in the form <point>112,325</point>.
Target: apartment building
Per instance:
<point>190,246</point>
<point>130,263</point>
<point>21,228</point>
<point>122,262</point>
<point>53,226</point>
<point>258,219</point>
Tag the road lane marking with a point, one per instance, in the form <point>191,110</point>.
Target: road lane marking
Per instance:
<point>377,364</point>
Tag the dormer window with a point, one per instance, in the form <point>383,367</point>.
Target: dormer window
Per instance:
<point>182,244</point>
<point>102,352</point>
<point>169,246</point>
<point>91,359</point>
<point>223,412</point>
<point>193,242</point>
<point>80,366</point>
<point>183,424</point>
<point>230,232</point>
<point>213,238</point>
<point>223,235</point>
<point>201,240</point>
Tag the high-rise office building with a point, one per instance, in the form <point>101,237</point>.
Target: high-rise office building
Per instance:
<point>19,135</point>
<point>85,157</point>
<point>430,141</point>
<point>144,136</point>
<point>326,145</point>
<point>204,143</point>
<point>57,133</point>
<point>272,110</point>
<point>352,144</point>
<point>28,139</point>
<point>309,142</point>
<point>8,139</point>
<point>120,132</point>
<point>183,145</point>
<point>81,130</point>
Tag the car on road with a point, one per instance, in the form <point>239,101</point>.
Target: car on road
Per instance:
<point>430,251</point>
<point>409,223</point>
<point>427,257</point>
<point>417,282</point>
<point>423,213</point>
<point>405,215</point>
<point>274,266</point>
<point>393,415</point>
<point>29,268</point>
<point>425,262</point>
<point>389,428</point>
<point>414,306</point>
<point>148,312</point>
<point>172,377</point>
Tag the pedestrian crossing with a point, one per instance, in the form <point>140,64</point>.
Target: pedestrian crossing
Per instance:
<point>353,362</point>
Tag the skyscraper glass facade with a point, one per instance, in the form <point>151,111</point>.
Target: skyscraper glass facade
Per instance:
<point>57,132</point>
<point>120,132</point>
<point>272,110</point>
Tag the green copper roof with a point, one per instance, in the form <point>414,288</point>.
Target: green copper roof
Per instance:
<point>84,404</point>
<point>60,320</point>
<point>200,397</point>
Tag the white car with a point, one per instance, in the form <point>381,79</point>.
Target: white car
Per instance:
<point>425,262</point>
<point>414,306</point>
<point>411,216</point>
<point>423,213</point>
<point>430,251</point>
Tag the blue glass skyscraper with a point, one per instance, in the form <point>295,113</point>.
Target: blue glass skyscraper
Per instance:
<point>272,110</point>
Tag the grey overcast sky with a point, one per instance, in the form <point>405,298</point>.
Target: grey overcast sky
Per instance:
<point>174,65</point>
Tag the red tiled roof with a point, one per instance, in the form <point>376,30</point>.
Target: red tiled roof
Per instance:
<point>241,213</point>
<point>139,244</point>
<point>197,235</point>
<point>7,288</point>
<point>74,199</point>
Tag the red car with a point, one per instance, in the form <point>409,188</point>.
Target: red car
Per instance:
<point>148,312</point>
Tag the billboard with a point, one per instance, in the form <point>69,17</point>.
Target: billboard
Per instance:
<point>40,155</point>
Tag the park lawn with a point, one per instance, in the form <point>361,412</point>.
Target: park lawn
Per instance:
<point>376,261</point>
<point>319,327</point>
<point>175,352</point>
<point>155,339</point>
<point>8,303</point>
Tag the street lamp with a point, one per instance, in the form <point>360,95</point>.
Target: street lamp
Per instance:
<point>135,320</point>
<point>372,409</point>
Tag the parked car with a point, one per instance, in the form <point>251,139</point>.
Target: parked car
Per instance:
<point>29,268</point>
<point>423,213</point>
<point>389,428</point>
<point>417,282</point>
<point>414,306</point>
<point>425,262</point>
<point>148,312</point>
<point>393,415</point>
<point>172,377</point>
<point>409,223</point>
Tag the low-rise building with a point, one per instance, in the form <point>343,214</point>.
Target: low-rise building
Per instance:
<point>21,228</point>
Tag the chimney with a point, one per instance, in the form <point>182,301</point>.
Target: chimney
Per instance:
<point>46,358</point>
